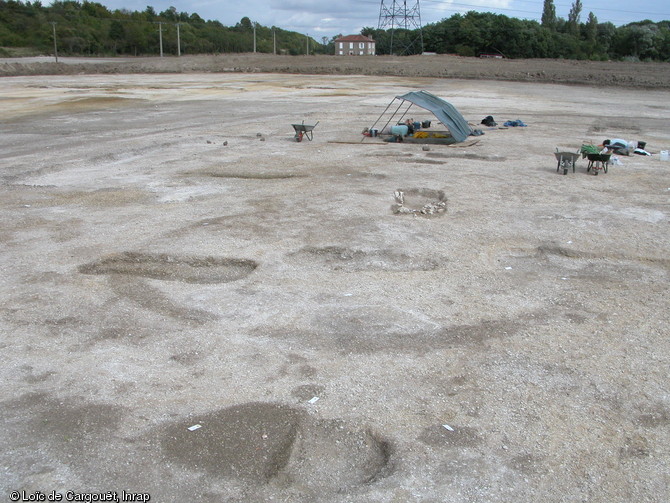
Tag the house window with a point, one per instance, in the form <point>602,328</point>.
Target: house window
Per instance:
<point>361,45</point>
<point>360,53</point>
<point>351,45</point>
<point>341,53</point>
<point>341,45</point>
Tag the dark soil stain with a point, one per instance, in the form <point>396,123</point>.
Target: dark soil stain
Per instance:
<point>340,258</point>
<point>63,426</point>
<point>261,442</point>
<point>360,331</point>
<point>166,267</point>
<point>560,251</point>
<point>187,358</point>
<point>154,300</point>
<point>245,175</point>
<point>466,155</point>
<point>425,161</point>
<point>524,463</point>
<point>252,441</point>
<point>655,416</point>
<point>636,446</point>
<point>367,174</point>
<point>478,334</point>
<point>439,436</point>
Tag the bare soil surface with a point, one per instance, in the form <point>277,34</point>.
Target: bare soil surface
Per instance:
<point>596,73</point>
<point>195,306</point>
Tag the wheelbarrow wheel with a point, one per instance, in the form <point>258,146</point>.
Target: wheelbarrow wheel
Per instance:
<point>298,136</point>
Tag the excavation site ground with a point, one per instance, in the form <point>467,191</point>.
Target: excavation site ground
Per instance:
<point>196,306</point>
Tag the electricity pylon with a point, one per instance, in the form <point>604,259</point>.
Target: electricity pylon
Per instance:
<point>398,16</point>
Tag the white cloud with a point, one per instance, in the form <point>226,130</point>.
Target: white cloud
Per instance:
<point>350,16</point>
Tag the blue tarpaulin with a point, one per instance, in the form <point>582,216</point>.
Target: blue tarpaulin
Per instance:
<point>445,112</point>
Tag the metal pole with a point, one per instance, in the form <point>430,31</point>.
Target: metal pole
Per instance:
<point>254,37</point>
<point>274,42</point>
<point>307,44</point>
<point>160,36</point>
<point>178,41</point>
<point>380,117</point>
<point>396,111</point>
<point>53,24</point>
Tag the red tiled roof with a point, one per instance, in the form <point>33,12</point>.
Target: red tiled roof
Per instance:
<point>354,38</point>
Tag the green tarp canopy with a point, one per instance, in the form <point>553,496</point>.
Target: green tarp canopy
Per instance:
<point>445,112</point>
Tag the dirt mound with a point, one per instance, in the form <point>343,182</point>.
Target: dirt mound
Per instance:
<point>597,73</point>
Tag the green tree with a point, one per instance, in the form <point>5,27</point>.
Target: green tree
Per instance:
<point>170,14</point>
<point>549,15</point>
<point>591,33</point>
<point>573,17</point>
<point>116,33</point>
<point>245,24</point>
<point>636,41</point>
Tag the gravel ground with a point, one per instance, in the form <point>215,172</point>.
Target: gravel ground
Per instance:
<point>172,258</point>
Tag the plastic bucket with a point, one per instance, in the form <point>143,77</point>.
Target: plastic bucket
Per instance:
<point>664,155</point>
<point>374,132</point>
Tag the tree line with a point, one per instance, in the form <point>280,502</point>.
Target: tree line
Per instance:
<point>90,28</point>
<point>476,33</point>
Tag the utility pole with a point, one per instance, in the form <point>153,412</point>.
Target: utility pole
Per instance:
<point>274,41</point>
<point>178,41</point>
<point>308,44</point>
<point>254,37</point>
<point>160,36</point>
<point>53,24</point>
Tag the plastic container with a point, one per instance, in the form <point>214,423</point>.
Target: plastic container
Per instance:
<point>401,130</point>
<point>374,132</point>
<point>664,155</point>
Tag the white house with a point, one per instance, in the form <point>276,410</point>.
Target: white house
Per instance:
<point>354,45</point>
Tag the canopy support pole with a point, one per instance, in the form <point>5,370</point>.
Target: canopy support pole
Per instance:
<point>392,115</point>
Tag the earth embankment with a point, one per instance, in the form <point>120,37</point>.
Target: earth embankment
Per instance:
<point>596,73</point>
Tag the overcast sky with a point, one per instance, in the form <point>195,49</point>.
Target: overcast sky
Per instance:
<point>324,18</point>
